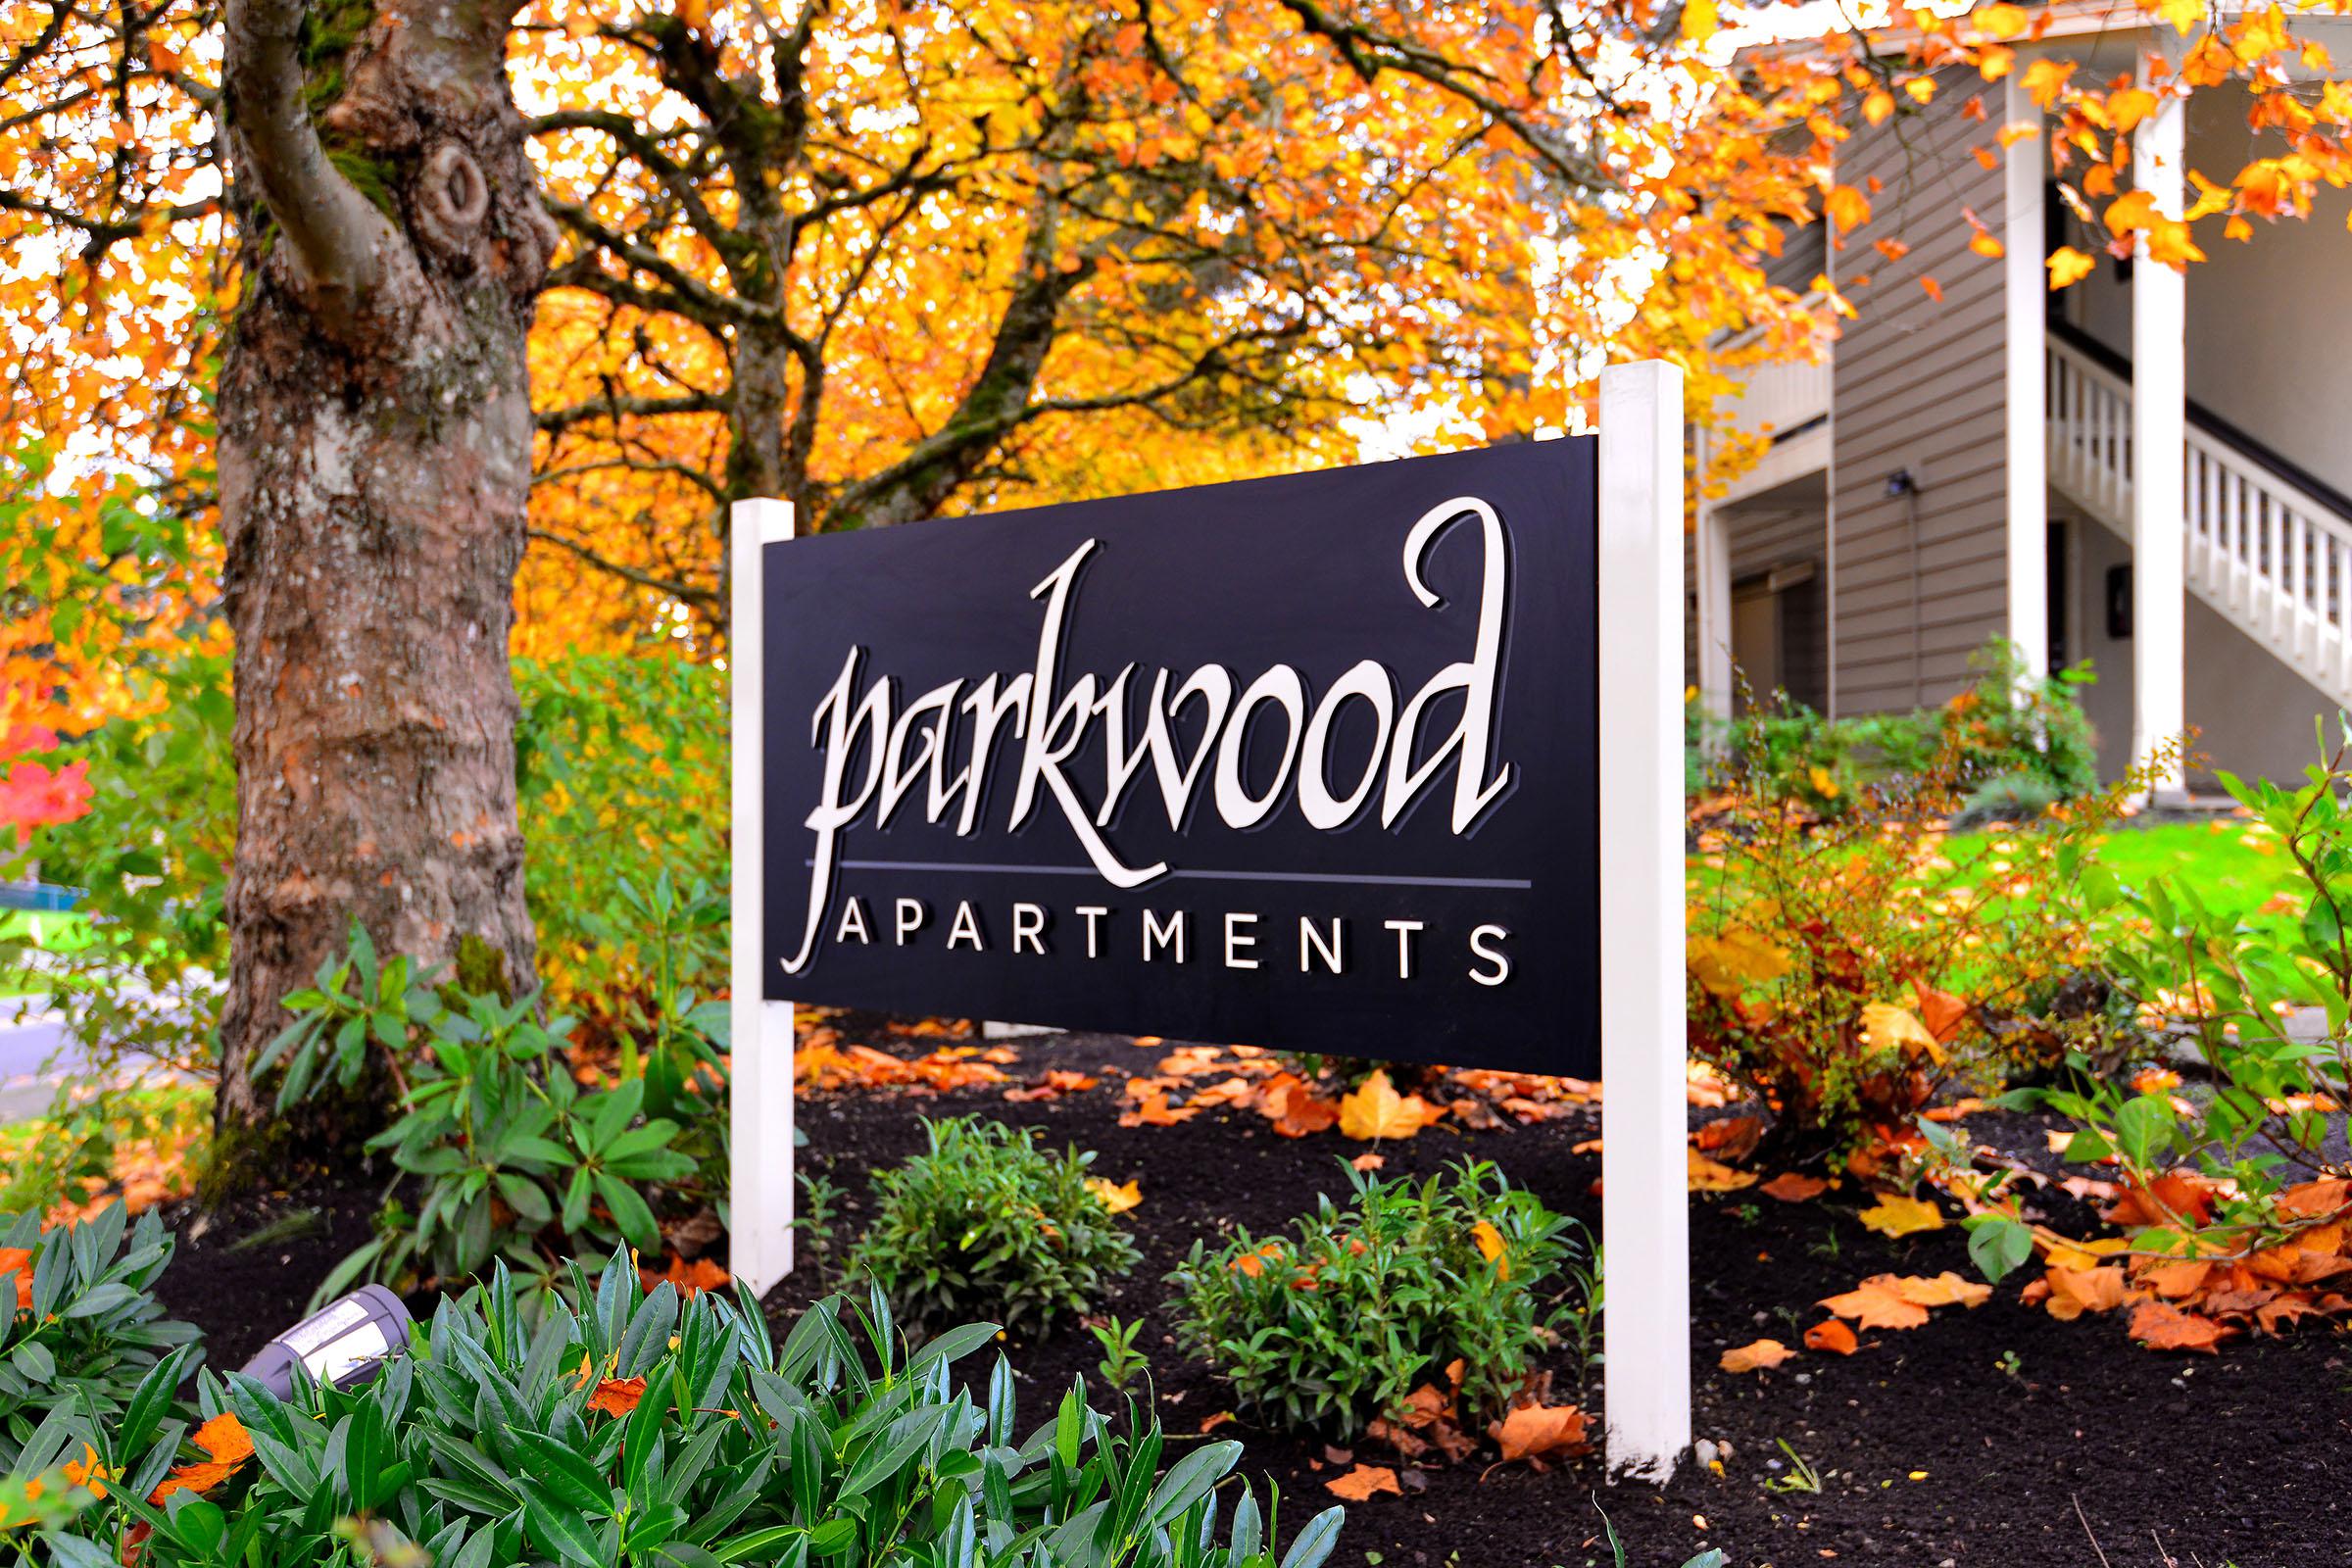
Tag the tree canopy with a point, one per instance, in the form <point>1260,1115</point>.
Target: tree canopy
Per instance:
<point>888,260</point>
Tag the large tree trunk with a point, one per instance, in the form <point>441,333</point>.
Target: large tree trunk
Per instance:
<point>375,444</point>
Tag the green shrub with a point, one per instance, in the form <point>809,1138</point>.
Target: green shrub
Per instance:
<point>1334,1327</point>
<point>83,1329</point>
<point>983,1218</point>
<point>139,977</point>
<point>2007,725</point>
<point>642,1430</point>
<point>513,1159</point>
<point>620,767</point>
<point>1844,970</point>
<point>2253,1164</point>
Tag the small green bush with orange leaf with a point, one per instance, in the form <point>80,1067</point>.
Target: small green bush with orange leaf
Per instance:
<point>1845,970</point>
<point>1334,1326</point>
<point>83,1329</point>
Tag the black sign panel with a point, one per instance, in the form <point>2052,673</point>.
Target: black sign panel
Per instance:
<point>1303,763</point>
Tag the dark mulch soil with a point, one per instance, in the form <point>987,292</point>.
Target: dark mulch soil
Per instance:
<point>1998,1437</point>
<point>246,1272</point>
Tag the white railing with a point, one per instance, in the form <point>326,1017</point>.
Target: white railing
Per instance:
<point>1780,396</point>
<point>2269,555</point>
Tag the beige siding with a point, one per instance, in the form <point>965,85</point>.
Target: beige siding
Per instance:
<point>1918,386</point>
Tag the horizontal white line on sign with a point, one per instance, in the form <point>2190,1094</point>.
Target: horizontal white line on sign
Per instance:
<point>1202,876</point>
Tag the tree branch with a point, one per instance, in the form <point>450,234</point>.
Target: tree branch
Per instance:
<point>340,241</point>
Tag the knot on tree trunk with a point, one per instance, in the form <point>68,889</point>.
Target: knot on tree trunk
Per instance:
<point>452,199</point>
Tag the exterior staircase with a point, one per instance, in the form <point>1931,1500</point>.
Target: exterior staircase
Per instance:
<point>2268,545</point>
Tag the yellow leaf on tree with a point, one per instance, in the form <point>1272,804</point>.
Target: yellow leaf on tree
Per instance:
<point>1737,958</point>
<point>1701,18</point>
<point>1846,207</point>
<point>1897,1215</point>
<point>2068,266</point>
<point>1887,1027</point>
<point>1376,1110</point>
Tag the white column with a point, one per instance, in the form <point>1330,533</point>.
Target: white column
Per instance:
<point>759,1095</point>
<point>2026,292</point>
<point>2159,392</point>
<point>1711,582</point>
<point>1645,1203</point>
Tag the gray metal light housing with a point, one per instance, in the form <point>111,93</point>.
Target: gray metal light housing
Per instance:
<point>343,1343</point>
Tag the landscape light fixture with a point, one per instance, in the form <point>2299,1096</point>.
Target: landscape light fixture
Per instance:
<point>342,1343</point>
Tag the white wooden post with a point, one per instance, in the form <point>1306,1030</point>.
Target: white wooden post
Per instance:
<point>2026,293</point>
<point>759,1099</point>
<point>2159,434</point>
<point>1645,1206</point>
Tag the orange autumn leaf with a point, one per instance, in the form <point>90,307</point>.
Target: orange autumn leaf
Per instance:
<point>2162,1325</point>
<point>1539,1432</point>
<point>1152,1110</point>
<point>691,1279</point>
<point>1832,1336</point>
<point>1376,1110</point>
<point>1946,1289</point>
<point>226,1445</point>
<point>1704,1175</point>
<point>1369,1160</point>
<point>2095,1289</point>
<point>1877,1303</point>
<point>1359,1484</point>
<point>223,1439</point>
<point>616,1396</point>
<point>1758,1355</point>
<point>17,1261</point>
<point>1792,1188</point>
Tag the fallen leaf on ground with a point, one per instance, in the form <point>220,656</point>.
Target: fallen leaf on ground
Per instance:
<point>1790,1188</point>
<point>1897,1215</point>
<point>1832,1336</point>
<point>1877,1303</point>
<point>1116,1197</point>
<point>1368,1161</point>
<point>1713,1176</point>
<point>1761,1355</point>
<point>1210,1423</point>
<point>1539,1431</point>
<point>2093,1290</point>
<point>2162,1325</point>
<point>1376,1110</point>
<point>1152,1110</point>
<point>1946,1289</point>
<point>1361,1482</point>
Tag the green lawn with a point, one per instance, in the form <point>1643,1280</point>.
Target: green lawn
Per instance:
<point>2232,864</point>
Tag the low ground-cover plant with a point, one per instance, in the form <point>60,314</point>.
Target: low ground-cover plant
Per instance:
<point>1844,970</point>
<point>986,1219</point>
<point>513,1158</point>
<point>83,1329</point>
<point>647,1430</point>
<point>1334,1326</point>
